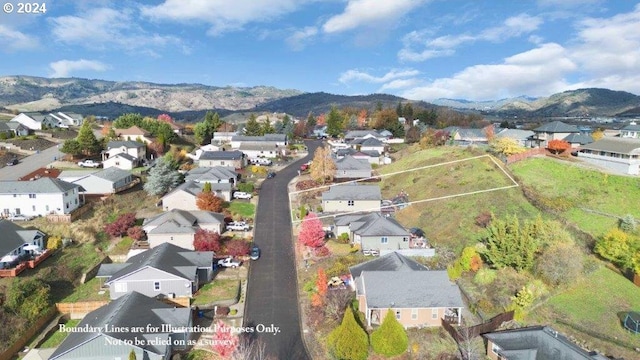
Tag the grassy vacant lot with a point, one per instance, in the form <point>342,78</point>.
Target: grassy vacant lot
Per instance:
<point>243,209</point>
<point>58,336</point>
<point>451,222</point>
<point>217,290</point>
<point>573,189</point>
<point>596,303</point>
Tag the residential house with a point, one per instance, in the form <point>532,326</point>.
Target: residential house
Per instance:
<point>39,197</point>
<point>178,227</point>
<point>373,231</point>
<point>177,128</point>
<point>32,121</point>
<point>555,130</point>
<point>320,131</point>
<point>66,120</point>
<point>213,175</point>
<point>133,148</point>
<point>161,330</point>
<point>418,296</point>
<point>350,168</point>
<point>368,144</point>
<point>223,136</point>
<point>352,198</point>
<point>619,155</point>
<point>209,147</point>
<point>371,156</point>
<point>522,137</point>
<point>5,130</point>
<point>122,161</point>
<point>254,150</point>
<point>166,271</point>
<point>134,133</point>
<point>577,140</point>
<point>355,134</point>
<point>467,136</point>
<point>107,181</point>
<point>16,242</point>
<point>630,131</point>
<point>279,140</point>
<point>17,128</point>
<point>236,159</point>
<point>535,342</point>
<point>185,195</point>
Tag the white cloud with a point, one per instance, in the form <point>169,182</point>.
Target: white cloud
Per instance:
<point>222,15</point>
<point>514,26</point>
<point>13,40</point>
<point>536,72</point>
<point>357,75</point>
<point>65,68</point>
<point>104,28</point>
<point>399,84</point>
<point>299,38</point>
<point>370,13</point>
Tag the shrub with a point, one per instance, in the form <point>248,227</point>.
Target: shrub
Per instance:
<point>120,226</point>
<point>484,276</point>
<point>136,233</point>
<point>390,338</point>
<point>54,242</point>
<point>223,310</point>
<point>246,187</point>
<point>206,240</point>
<point>343,238</point>
<point>321,251</point>
<point>561,263</point>
<point>627,223</point>
<point>348,340</point>
<point>523,298</point>
<point>455,271</point>
<point>303,212</point>
<point>483,219</point>
<point>341,265</point>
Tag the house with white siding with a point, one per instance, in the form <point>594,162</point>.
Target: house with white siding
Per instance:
<point>179,227</point>
<point>279,140</point>
<point>14,241</point>
<point>349,167</point>
<point>39,197</point>
<point>619,155</point>
<point>166,270</point>
<point>32,121</point>
<point>254,150</point>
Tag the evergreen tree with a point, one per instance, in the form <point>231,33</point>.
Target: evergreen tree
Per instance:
<point>509,244</point>
<point>71,147</point>
<point>87,139</point>
<point>126,121</point>
<point>335,122</point>
<point>132,355</point>
<point>310,124</point>
<point>252,128</point>
<point>203,131</point>
<point>399,109</point>
<point>348,341</point>
<point>407,112</point>
<point>162,178</point>
<point>266,127</point>
<point>390,338</point>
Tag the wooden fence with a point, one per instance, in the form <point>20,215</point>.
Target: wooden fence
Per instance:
<point>91,273</point>
<point>464,334</point>
<point>78,310</point>
<point>525,155</point>
<point>28,334</point>
<point>67,218</point>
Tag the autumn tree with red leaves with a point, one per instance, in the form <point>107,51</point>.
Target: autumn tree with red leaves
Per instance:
<point>321,283</point>
<point>206,240</point>
<point>224,341</point>
<point>121,225</point>
<point>557,146</point>
<point>311,232</point>
<point>236,247</point>
<point>209,201</point>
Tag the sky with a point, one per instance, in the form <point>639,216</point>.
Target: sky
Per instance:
<point>417,49</point>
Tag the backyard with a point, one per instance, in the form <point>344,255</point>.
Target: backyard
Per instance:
<point>217,290</point>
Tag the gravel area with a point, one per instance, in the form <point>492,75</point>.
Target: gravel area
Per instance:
<point>32,144</point>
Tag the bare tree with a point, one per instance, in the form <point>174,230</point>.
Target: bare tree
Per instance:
<point>336,303</point>
<point>468,342</point>
<point>250,348</point>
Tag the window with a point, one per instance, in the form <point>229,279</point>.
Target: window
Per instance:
<point>33,208</point>
<point>46,208</point>
<point>398,314</point>
<point>17,211</point>
<point>222,163</point>
<point>405,239</point>
<point>384,240</point>
<point>350,203</point>
<point>120,287</point>
<point>414,314</point>
<point>156,286</point>
<point>32,196</point>
<point>495,348</point>
<point>434,313</point>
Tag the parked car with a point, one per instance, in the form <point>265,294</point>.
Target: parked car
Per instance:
<point>238,226</point>
<point>88,163</point>
<point>19,217</point>
<point>12,162</point>
<point>229,262</point>
<point>242,195</point>
<point>255,252</point>
<point>271,175</point>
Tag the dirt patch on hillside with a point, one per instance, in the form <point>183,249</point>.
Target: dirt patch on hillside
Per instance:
<point>38,144</point>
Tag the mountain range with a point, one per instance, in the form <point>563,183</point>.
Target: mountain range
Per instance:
<point>191,101</point>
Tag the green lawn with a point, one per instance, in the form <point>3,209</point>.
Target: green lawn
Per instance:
<point>199,355</point>
<point>122,247</point>
<point>58,336</point>
<point>88,292</point>
<point>574,187</point>
<point>596,303</point>
<point>244,209</point>
<point>217,290</point>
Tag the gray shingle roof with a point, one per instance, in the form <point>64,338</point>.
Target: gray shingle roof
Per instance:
<point>221,155</point>
<point>352,192</point>
<point>632,127</point>
<point>366,142</point>
<point>349,163</point>
<point>258,146</point>
<point>557,127</point>
<point>265,137</point>
<point>195,188</point>
<point>112,174</point>
<point>516,134</point>
<point>129,311</point>
<point>411,289</point>
<point>124,156</point>
<point>44,185</point>
<point>128,144</point>
<point>538,343</point>
<point>169,258</point>
<point>13,236</point>
<point>361,133</point>
<point>375,224</point>
<point>575,138</point>
<point>211,174</point>
<point>390,262</point>
<point>181,221</point>
<point>626,146</point>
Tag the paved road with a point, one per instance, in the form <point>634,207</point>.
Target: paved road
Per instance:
<point>272,298</point>
<point>30,163</point>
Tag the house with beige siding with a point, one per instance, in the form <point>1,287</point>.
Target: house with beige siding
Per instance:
<point>373,232</point>
<point>166,270</point>
<point>178,227</point>
<point>134,133</point>
<point>418,297</point>
<point>349,167</point>
<point>350,198</point>
<point>236,159</point>
<point>185,195</point>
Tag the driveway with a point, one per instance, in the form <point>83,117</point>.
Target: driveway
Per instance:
<point>30,163</point>
<point>272,295</point>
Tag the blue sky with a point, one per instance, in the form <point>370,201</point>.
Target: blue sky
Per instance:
<point>418,49</point>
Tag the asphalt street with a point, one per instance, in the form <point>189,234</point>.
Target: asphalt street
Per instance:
<point>30,163</point>
<point>272,295</point>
